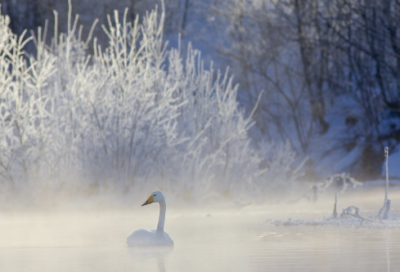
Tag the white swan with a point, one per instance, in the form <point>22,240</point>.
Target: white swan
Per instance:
<point>156,237</point>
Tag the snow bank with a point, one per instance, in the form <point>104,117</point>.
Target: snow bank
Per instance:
<point>368,222</point>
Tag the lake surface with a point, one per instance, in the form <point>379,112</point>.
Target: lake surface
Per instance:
<point>212,239</point>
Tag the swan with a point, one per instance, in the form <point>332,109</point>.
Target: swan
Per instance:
<point>157,237</point>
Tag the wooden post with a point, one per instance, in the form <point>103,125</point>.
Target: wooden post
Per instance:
<point>334,207</point>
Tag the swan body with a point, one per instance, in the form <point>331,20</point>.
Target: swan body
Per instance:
<point>144,237</point>
<point>156,237</point>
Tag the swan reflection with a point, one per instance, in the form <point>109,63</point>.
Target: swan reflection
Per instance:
<point>152,253</point>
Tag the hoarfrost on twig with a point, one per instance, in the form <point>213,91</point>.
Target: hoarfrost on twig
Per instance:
<point>131,115</point>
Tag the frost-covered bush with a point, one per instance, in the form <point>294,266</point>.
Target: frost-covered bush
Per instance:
<point>131,117</point>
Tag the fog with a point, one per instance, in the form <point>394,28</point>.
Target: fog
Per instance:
<point>207,238</point>
<point>85,137</point>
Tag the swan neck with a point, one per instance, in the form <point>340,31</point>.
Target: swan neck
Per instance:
<point>161,218</point>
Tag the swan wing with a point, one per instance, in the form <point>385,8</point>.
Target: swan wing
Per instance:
<point>141,237</point>
<point>149,238</point>
<point>168,240</point>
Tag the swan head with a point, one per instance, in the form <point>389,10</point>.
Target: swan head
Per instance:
<point>155,197</point>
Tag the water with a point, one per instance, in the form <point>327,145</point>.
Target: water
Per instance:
<point>205,240</point>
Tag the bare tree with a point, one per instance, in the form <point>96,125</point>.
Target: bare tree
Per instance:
<point>317,59</point>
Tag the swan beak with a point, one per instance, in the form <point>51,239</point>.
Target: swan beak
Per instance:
<point>148,201</point>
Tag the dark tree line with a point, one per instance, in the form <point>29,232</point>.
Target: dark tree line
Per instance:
<point>329,70</point>
<point>31,14</point>
<point>23,14</point>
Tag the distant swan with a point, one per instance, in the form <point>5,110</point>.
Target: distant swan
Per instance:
<point>156,237</point>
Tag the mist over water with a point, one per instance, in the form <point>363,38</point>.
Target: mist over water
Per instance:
<point>207,238</point>
<point>84,138</point>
